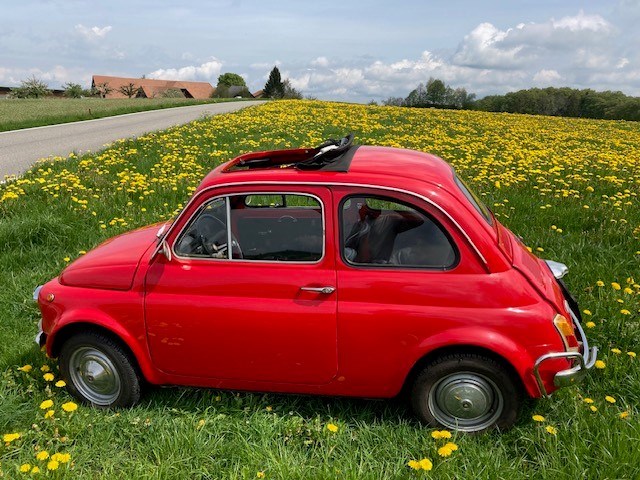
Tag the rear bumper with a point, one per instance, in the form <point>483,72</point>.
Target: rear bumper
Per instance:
<point>582,362</point>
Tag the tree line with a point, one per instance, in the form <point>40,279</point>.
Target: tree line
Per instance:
<point>564,102</point>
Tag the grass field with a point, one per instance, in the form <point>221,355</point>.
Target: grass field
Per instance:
<point>569,187</point>
<point>24,113</point>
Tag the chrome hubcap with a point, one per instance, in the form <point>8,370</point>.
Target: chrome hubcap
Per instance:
<point>95,376</point>
<point>466,401</point>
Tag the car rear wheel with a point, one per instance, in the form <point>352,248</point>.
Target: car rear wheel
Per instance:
<point>99,371</point>
<point>466,392</point>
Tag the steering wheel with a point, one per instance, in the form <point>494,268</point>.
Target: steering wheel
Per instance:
<point>212,235</point>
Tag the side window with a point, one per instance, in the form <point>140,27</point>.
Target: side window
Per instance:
<point>278,227</point>
<point>207,235</point>
<point>267,227</point>
<point>383,231</point>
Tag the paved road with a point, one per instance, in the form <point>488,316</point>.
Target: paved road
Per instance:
<point>19,149</point>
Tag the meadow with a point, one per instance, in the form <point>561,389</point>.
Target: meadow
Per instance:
<point>569,187</point>
<point>35,112</point>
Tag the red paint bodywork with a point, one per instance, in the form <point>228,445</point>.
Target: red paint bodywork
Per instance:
<point>246,325</point>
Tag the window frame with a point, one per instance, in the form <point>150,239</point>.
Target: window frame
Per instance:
<point>421,211</point>
<point>226,197</point>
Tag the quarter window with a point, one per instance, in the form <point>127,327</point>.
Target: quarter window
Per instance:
<point>383,231</point>
<point>266,227</point>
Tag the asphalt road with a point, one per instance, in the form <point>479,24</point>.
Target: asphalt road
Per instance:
<point>20,149</point>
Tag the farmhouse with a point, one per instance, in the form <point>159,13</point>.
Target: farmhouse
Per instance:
<point>150,88</point>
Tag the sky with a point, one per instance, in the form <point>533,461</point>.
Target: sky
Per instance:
<point>332,50</point>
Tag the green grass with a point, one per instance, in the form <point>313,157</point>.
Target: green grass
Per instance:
<point>25,113</point>
<point>61,208</point>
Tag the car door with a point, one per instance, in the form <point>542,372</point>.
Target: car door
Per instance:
<point>266,311</point>
<point>404,274</point>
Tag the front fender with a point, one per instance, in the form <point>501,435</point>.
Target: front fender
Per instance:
<point>483,338</point>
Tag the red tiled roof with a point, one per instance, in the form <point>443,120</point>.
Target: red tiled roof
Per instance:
<point>153,87</point>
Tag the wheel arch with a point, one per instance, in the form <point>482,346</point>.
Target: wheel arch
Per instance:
<point>70,329</point>
<point>430,356</point>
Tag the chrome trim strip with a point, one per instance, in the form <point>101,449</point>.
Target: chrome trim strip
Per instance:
<point>227,204</point>
<point>337,184</point>
<point>226,197</point>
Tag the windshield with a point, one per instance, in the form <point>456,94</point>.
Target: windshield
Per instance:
<point>475,201</point>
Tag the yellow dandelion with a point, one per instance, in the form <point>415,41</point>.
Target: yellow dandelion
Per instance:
<point>25,467</point>
<point>632,354</point>
<point>43,455</point>
<point>426,464</point>
<point>437,434</point>
<point>67,259</point>
<point>588,400</point>
<point>49,413</point>
<point>332,428</point>
<point>587,312</point>
<point>593,408</point>
<point>444,451</point>
<point>48,377</point>
<point>46,404</point>
<point>26,368</point>
<point>624,311</point>
<point>600,364</point>
<point>615,285</point>
<point>69,407</point>
<point>538,418</point>
<point>414,464</point>
<point>269,408</point>
<point>61,383</point>
<point>10,437</point>
<point>35,469</point>
<point>590,324</point>
<point>260,474</point>
<point>452,446</point>
<point>61,457</point>
<point>200,424</point>
<point>600,283</point>
<point>45,368</point>
<point>624,414</point>
<point>617,351</point>
<point>610,399</point>
<point>551,430</point>
<point>53,465</point>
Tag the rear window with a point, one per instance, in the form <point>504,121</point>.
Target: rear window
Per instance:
<point>474,200</point>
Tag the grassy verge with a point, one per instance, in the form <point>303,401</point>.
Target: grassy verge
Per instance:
<point>25,113</point>
<point>569,187</point>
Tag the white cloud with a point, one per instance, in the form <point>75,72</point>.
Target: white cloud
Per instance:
<point>320,62</point>
<point>92,33</point>
<point>623,62</point>
<point>208,71</point>
<point>54,77</point>
<point>594,23</point>
<point>547,77</point>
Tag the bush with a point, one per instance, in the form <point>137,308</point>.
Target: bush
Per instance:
<point>31,88</point>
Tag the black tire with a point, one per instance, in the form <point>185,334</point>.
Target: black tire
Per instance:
<point>466,392</point>
<point>99,371</point>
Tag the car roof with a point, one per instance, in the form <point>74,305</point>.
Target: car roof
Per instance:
<point>384,166</point>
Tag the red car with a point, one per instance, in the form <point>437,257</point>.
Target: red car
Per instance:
<point>341,270</point>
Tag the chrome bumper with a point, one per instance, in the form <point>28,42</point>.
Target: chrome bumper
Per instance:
<point>575,374</point>
<point>39,336</point>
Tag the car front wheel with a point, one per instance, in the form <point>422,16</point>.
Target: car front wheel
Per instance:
<point>465,392</point>
<point>99,371</point>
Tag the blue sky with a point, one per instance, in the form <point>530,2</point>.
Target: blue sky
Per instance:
<point>349,50</point>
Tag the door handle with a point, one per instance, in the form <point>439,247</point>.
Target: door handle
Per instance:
<point>326,290</point>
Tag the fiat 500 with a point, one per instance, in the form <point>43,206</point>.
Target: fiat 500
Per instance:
<point>338,270</point>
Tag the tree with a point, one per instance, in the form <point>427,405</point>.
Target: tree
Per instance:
<point>73,90</point>
<point>230,80</point>
<point>289,92</point>
<point>102,89</point>
<point>130,89</point>
<point>31,88</point>
<point>274,88</point>
<point>436,91</point>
